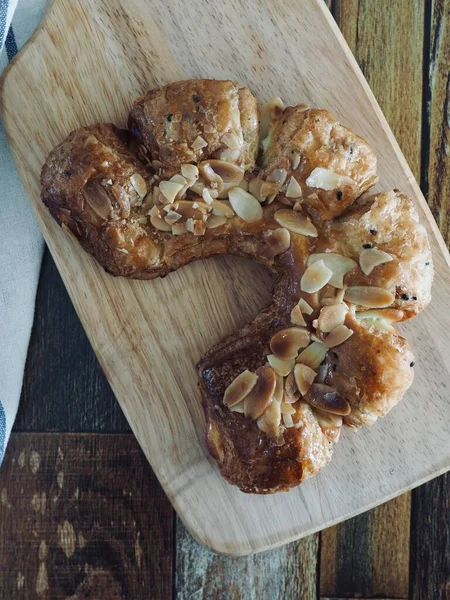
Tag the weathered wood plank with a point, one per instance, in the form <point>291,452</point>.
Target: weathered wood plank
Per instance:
<point>430,541</point>
<point>437,171</point>
<point>82,516</point>
<point>64,388</point>
<point>368,555</point>
<point>388,43</point>
<point>288,572</point>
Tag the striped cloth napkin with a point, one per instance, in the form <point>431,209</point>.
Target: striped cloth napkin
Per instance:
<point>21,244</point>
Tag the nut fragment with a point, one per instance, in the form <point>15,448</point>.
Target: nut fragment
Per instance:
<point>170,189</point>
<point>296,222</point>
<point>270,420</point>
<point>179,228</point>
<point>189,172</point>
<point>139,184</point>
<point>369,296</point>
<point>159,223</point>
<point>279,388</point>
<point>261,395</point>
<point>279,239</point>
<point>199,143</point>
<point>280,366</point>
<point>290,388</point>
<point>269,111</point>
<point>297,317</point>
<point>315,277</point>
<point>222,208</point>
<point>215,221</point>
<point>287,408</point>
<point>172,217</point>
<point>222,172</point>
<point>231,140</point>
<point>293,189</point>
<point>340,265</point>
<point>295,161</point>
<point>326,398</point>
<point>287,421</point>
<point>277,176</point>
<point>371,258</point>
<point>245,205</point>
<point>332,316</point>
<point>304,377</point>
<point>313,355</point>
<point>239,388</point>
<point>328,180</point>
<point>338,336</point>
<point>285,343</point>
<point>305,307</point>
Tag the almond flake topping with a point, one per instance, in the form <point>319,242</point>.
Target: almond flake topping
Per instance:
<point>199,143</point>
<point>295,222</point>
<point>297,317</point>
<point>332,316</point>
<point>231,140</point>
<point>369,296</point>
<point>305,307</point>
<point>340,265</point>
<point>338,336</point>
<point>315,277</point>
<point>170,189</point>
<point>286,343</point>
<point>328,180</point>
<point>280,366</point>
<point>304,377</point>
<point>239,388</point>
<point>293,189</point>
<point>371,258</point>
<point>245,205</point>
<point>189,172</point>
<point>313,355</point>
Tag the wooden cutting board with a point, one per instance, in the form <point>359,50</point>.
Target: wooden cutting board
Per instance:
<point>87,63</point>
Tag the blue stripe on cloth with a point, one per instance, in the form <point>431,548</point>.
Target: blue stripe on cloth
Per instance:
<point>10,44</point>
<point>2,432</point>
<point>3,15</point>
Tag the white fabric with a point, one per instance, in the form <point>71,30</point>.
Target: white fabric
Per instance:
<point>21,244</point>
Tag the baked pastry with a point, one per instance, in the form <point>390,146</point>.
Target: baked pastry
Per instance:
<point>194,176</point>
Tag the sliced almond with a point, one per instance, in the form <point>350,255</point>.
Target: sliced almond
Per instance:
<point>199,227</point>
<point>327,419</point>
<point>315,277</point>
<point>371,258</point>
<point>224,173</point>
<point>389,314</point>
<point>170,189</point>
<point>222,208</point>
<point>261,395</point>
<point>245,205</point>
<point>297,317</point>
<point>189,209</point>
<point>279,240</point>
<point>269,188</point>
<point>293,189</point>
<point>139,184</point>
<point>206,195</point>
<point>304,377</point>
<point>327,399</point>
<point>313,355</point>
<point>209,175</point>
<point>239,408</point>
<point>254,187</point>
<point>277,176</point>
<point>338,336</point>
<point>286,343</point>
<point>215,221</point>
<point>199,143</point>
<point>244,185</point>
<point>280,366</point>
<point>279,388</point>
<point>172,217</point>
<point>305,307</point>
<point>287,421</point>
<point>328,180</point>
<point>270,420</point>
<point>179,228</point>
<point>332,316</point>
<point>296,222</point>
<point>231,140</point>
<point>287,408</point>
<point>189,172</point>
<point>290,388</point>
<point>197,187</point>
<point>369,296</point>
<point>295,161</point>
<point>340,265</point>
<point>239,388</point>
<point>160,224</point>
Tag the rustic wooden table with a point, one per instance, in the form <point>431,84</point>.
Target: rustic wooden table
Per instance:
<point>81,513</point>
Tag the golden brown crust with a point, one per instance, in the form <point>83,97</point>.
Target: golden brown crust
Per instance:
<point>98,183</point>
<point>168,120</point>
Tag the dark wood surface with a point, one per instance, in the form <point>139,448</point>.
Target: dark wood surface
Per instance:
<point>81,513</point>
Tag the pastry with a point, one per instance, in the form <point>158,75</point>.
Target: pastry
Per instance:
<point>201,171</point>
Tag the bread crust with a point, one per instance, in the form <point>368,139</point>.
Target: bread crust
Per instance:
<point>96,184</point>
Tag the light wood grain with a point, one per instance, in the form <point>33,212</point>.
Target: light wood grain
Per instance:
<point>138,342</point>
